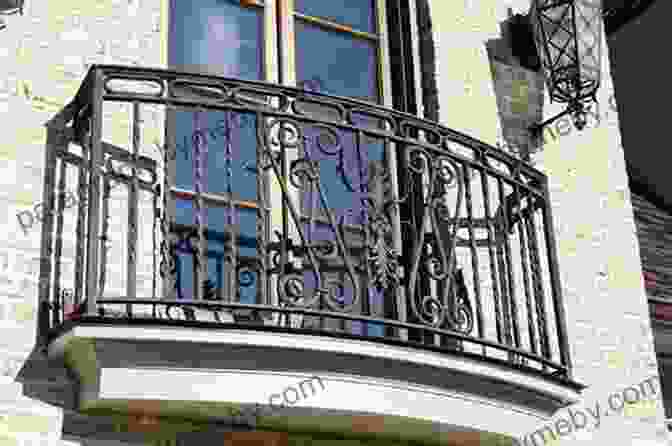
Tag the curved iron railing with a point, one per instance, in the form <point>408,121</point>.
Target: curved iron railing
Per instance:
<point>296,211</point>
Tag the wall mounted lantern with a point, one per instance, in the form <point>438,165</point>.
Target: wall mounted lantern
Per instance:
<point>568,36</point>
<point>9,7</point>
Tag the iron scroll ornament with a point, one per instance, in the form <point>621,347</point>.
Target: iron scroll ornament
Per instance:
<point>303,172</point>
<point>439,251</point>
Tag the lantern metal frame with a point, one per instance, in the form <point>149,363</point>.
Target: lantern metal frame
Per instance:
<point>571,77</point>
<point>9,7</point>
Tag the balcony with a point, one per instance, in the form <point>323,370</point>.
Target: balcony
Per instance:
<point>326,224</point>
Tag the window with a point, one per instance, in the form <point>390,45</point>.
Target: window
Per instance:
<point>312,44</point>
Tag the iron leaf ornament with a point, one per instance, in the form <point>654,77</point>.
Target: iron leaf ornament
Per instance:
<point>382,258</point>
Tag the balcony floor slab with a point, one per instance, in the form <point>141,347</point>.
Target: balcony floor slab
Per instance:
<point>221,375</point>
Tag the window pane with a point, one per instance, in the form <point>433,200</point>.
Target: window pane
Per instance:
<point>243,224</point>
<point>217,37</point>
<point>227,144</point>
<point>223,38</point>
<point>336,63</point>
<point>357,14</point>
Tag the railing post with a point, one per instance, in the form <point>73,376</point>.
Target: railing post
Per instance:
<point>400,295</point>
<point>133,195</point>
<point>556,288</point>
<point>54,141</point>
<point>93,202</point>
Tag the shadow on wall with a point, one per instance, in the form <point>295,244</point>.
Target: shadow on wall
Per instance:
<point>518,84</point>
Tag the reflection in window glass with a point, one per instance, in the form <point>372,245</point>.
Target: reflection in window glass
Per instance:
<point>223,38</point>
<point>357,14</point>
<point>338,63</point>
<point>217,37</point>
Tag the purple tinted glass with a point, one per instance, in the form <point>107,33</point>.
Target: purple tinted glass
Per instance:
<point>336,63</point>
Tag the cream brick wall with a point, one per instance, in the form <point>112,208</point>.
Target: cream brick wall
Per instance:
<point>43,57</point>
<point>44,54</point>
<point>611,342</point>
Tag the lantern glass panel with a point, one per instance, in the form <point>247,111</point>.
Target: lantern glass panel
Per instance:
<point>567,35</point>
<point>589,28</point>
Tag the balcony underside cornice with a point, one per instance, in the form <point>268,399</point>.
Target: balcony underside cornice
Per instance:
<point>210,374</point>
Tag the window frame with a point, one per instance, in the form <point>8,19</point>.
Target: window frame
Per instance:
<point>287,16</point>
<point>278,61</point>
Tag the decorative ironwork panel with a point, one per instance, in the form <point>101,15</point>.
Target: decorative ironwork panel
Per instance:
<point>304,212</point>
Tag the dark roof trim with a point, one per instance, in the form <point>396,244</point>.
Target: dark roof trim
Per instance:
<point>640,188</point>
<point>427,62</point>
<point>619,12</point>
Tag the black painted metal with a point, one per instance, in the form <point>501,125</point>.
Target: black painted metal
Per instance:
<point>618,13</point>
<point>568,35</point>
<point>11,6</point>
<point>460,269</point>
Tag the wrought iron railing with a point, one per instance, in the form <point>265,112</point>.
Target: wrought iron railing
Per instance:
<point>299,212</point>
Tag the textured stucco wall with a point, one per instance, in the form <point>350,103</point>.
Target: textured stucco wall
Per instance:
<point>608,322</point>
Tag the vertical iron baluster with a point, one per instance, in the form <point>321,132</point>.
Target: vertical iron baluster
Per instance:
<point>368,292</point>
<point>390,151</point>
<point>417,206</point>
<point>523,258</point>
<point>231,249</point>
<point>263,219</point>
<point>556,289</point>
<point>474,253</point>
<point>155,216</point>
<point>55,141</point>
<point>80,255</point>
<point>104,239</point>
<point>509,265</point>
<point>284,240</point>
<point>133,195</point>
<point>500,231</point>
<point>198,144</point>
<point>431,233</point>
<point>58,249</point>
<point>488,224</point>
<point>95,164</point>
<point>536,282</point>
<point>168,263</point>
<point>309,202</point>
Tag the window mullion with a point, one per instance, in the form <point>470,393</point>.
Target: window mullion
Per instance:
<point>287,42</point>
<point>270,38</point>
<point>415,57</point>
<point>384,74</point>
